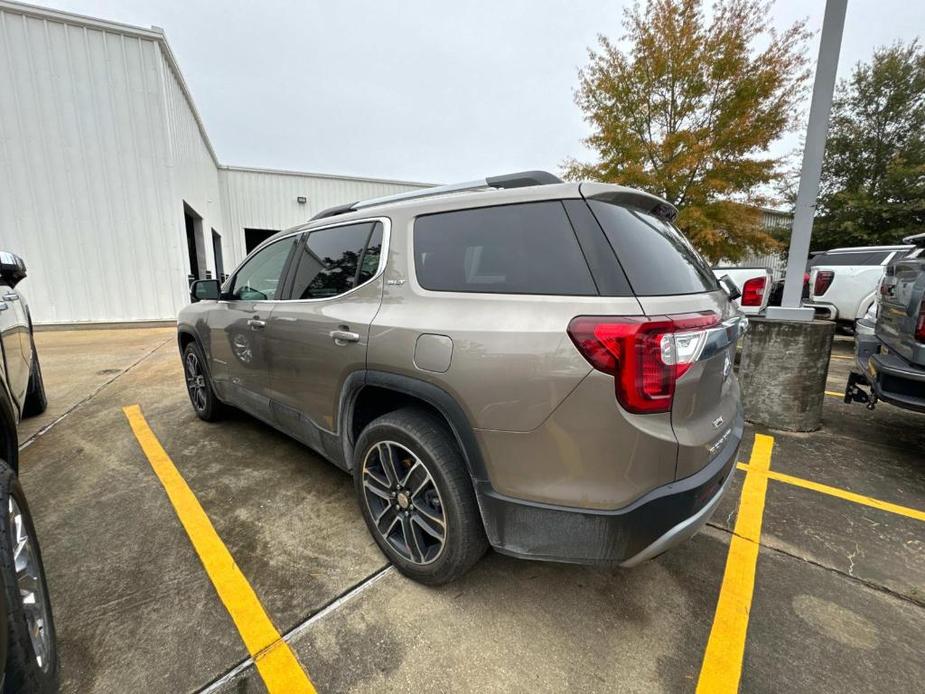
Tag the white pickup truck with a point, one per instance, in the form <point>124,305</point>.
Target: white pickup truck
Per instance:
<point>843,282</point>
<point>753,282</point>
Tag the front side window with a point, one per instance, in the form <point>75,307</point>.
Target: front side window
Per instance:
<point>527,248</point>
<point>335,260</point>
<point>260,277</point>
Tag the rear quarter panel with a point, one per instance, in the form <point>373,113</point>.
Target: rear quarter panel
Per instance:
<point>512,360</point>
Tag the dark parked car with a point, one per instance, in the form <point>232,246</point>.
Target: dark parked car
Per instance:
<point>27,632</point>
<point>890,344</point>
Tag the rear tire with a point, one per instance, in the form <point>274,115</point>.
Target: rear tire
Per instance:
<point>199,386</point>
<point>416,496</point>
<point>36,400</point>
<point>32,653</point>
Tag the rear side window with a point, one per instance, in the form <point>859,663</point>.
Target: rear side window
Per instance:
<point>655,256</point>
<point>333,261</point>
<point>512,249</point>
<point>868,258</point>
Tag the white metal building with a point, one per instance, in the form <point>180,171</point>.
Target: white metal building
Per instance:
<point>109,186</point>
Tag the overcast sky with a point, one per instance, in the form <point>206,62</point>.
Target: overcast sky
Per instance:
<point>421,91</point>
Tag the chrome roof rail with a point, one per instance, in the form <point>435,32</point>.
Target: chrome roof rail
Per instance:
<point>520,179</point>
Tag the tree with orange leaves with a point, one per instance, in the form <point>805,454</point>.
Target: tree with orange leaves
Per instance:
<point>686,108</point>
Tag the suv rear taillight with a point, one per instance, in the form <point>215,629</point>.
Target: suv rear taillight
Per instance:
<point>823,280</point>
<point>753,291</point>
<point>646,355</point>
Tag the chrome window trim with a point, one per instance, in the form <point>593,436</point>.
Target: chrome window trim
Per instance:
<point>380,269</point>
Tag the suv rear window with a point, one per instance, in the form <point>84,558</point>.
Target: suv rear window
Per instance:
<point>512,249</point>
<point>862,258</point>
<point>656,257</point>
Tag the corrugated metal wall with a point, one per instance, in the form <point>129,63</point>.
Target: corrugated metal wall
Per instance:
<point>262,199</point>
<point>772,220</point>
<point>775,262</point>
<point>84,180</point>
<point>100,147</point>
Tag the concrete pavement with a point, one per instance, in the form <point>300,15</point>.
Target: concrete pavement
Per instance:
<point>838,600</point>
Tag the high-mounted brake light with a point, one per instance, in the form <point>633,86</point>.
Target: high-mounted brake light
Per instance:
<point>753,291</point>
<point>646,355</point>
<point>823,281</point>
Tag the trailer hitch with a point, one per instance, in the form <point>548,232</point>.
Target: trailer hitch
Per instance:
<point>854,392</point>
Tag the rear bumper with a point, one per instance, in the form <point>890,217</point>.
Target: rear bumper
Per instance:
<point>642,530</point>
<point>897,381</point>
<point>823,311</point>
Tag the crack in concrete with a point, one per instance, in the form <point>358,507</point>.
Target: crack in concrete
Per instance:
<point>80,403</point>
<point>323,611</point>
<point>913,600</point>
<point>851,556</point>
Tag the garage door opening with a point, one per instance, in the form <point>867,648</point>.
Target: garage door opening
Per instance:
<point>254,237</point>
<point>195,244</point>
<point>217,255</point>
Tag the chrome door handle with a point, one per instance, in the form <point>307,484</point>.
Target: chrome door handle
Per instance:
<point>257,324</point>
<point>11,297</point>
<point>344,336</point>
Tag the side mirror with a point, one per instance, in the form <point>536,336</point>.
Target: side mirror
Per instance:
<point>732,291</point>
<point>205,290</point>
<point>12,268</point>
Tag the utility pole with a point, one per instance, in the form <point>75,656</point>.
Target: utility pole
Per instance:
<point>785,355</point>
<point>816,131</point>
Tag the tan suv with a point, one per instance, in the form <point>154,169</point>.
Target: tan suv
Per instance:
<point>541,366</point>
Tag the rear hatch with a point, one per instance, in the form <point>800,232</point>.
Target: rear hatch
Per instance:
<point>901,318</point>
<point>672,281</point>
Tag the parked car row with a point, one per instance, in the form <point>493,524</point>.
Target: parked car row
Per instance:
<point>840,284</point>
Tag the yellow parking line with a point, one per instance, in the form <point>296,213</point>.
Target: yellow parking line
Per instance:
<point>840,493</point>
<point>275,660</point>
<point>722,661</point>
<point>835,394</point>
<point>837,356</point>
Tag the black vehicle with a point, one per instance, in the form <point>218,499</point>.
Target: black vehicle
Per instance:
<point>27,632</point>
<point>890,346</point>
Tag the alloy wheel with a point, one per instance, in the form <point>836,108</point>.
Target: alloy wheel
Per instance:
<point>404,502</point>
<point>195,382</point>
<point>31,587</point>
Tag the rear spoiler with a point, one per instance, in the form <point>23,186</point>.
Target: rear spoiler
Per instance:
<point>631,197</point>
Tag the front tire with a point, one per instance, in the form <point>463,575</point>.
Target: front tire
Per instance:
<point>32,653</point>
<point>416,496</point>
<point>198,385</point>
